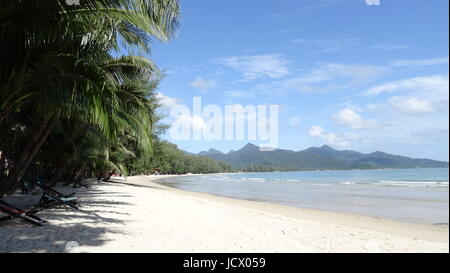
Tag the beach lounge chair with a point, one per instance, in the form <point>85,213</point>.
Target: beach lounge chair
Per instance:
<point>51,197</point>
<point>14,212</point>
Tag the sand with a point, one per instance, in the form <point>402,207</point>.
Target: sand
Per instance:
<point>139,215</point>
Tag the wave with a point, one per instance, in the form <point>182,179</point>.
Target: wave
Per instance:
<point>287,180</point>
<point>254,179</point>
<point>293,180</point>
<point>402,183</point>
<point>348,183</point>
<point>321,184</point>
<point>414,182</point>
<point>438,184</point>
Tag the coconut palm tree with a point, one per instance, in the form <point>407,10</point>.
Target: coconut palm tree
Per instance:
<point>33,29</point>
<point>63,69</point>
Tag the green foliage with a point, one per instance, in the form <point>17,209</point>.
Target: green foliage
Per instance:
<point>171,160</point>
<point>70,103</point>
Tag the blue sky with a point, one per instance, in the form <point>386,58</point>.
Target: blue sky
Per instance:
<point>343,73</point>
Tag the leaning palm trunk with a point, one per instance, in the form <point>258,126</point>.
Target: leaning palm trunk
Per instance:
<point>3,115</point>
<point>58,173</point>
<point>77,177</point>
<point>108,177</point>
<point>35,141</point>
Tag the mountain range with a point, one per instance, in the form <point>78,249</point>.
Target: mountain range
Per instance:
<point>250,158</point>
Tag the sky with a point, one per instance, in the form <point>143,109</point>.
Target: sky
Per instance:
<point>342,72</point>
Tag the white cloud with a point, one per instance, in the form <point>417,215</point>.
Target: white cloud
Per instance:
<point>166,101</point>
<point>353,72</point>
<point>411,105</point>
<point>435,83</point>
<point>294,121</point>
<point>373,2</point>
<point>238,94</point>
<point>192,123</point>
<point>323,46</point>
<point>318,132</point>
<point>414,112</point>
<point>203,84</point>
<point>420,95</point>
<point>423,62</point>
<point>326,77</point>
<point>314,5</point>
<point>352,119</point>
<point>389,47</point>
<point>258,66</point>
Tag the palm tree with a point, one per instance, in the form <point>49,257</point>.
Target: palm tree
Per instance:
<point>64,70</point>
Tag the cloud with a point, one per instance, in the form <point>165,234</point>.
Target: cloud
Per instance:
<point>166,101</point>
<point>323,46</point>
<point>184,125</point>
<point>352,72</point>
<point>315,5</point>
<point>389,47</point>
<point>411,105</point>
<point>420,95</point>
<point>326,77</point>
<point>414,112</point>
<point>318,132</point>
<point>194,122</point>
<point>258,66</point>
<point>373,2</point>
<point>239,94</point>
<point>294,121</point>
<point>423,62</point>
<point>203,84</point>
<point>352,119</point>
<point>435,83</point>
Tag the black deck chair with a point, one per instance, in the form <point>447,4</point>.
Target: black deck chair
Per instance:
<point>14,212</point>
<point>52,198</point>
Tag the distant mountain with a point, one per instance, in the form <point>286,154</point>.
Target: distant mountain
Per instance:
<point>250,158</point>
<point>210,152</point>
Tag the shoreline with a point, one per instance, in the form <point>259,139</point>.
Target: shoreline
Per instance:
<point>369,214</point>
<point>141,215</point>
<point>420,230</point>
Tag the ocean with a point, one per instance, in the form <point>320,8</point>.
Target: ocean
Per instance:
<point>408,195</point>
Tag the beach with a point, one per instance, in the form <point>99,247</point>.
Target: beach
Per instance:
<point>140,215</point>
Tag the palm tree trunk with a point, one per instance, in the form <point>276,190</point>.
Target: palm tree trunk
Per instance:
<point>2,116</point>
<point>77,176</point>
<point>107,178</point>
<point>29,151</point>
<point>58,173</point>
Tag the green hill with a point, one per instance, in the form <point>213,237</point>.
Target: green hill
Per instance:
<point>250,158</point>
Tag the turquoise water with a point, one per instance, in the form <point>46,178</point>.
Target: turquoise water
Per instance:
<point>409,195</point>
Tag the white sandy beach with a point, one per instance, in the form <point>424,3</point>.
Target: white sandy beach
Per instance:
<point>139,215</point>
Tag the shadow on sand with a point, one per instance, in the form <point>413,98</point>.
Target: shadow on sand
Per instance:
<point>64,224</point>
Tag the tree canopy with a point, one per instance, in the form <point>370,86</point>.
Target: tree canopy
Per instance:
<point>74,100</point>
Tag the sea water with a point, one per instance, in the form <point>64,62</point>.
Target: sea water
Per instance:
<point>411,195</point>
